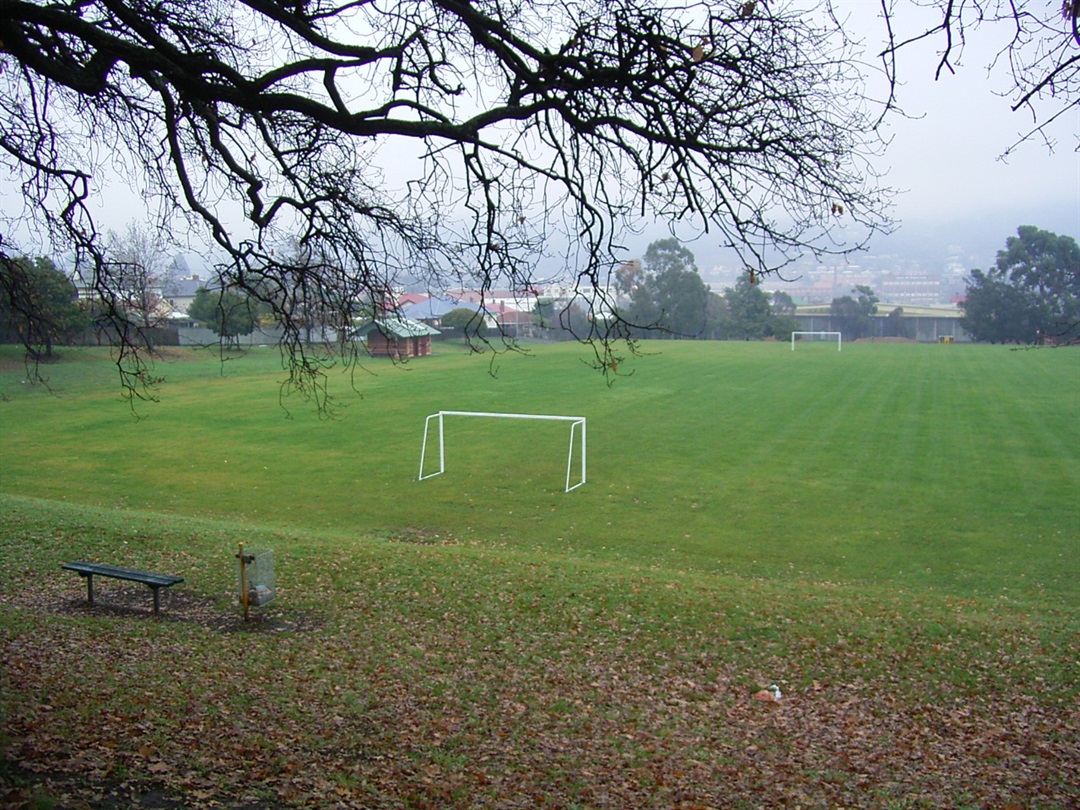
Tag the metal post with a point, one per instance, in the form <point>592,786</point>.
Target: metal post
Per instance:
<point>584,450</point>
<point>442,445</point>
<point>243,581</point>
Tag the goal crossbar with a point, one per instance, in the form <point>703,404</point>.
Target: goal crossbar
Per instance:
<point>838,335</point>
<point>575,423</point>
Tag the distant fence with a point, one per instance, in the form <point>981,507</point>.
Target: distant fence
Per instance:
<point>923,328</point>
<point>174,336</point>
<point>144,335</point>
<point>201,336</point>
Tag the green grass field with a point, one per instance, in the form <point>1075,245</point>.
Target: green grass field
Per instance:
<point>890,533</point>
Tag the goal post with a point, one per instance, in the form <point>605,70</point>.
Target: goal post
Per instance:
<point>821,336</point>
<point>577,437</point>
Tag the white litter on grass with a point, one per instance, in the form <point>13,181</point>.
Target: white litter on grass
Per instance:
<point>770,695</point>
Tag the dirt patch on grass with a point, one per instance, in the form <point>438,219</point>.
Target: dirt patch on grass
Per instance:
<point>135,603</point>
<point>10,364</point>
<point>886,340</point>
<point>422,537</point>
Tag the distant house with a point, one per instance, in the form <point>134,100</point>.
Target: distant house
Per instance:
<point>496,315</point>
<point>514,299</point>
<point>180,292</point>
<point>512,321</point>
<point>397,338</point>
<point>411,298</point>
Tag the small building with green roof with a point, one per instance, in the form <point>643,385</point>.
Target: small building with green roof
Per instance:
<point>400,338</point>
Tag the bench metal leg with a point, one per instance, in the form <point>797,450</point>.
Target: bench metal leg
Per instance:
<point>89,577</point>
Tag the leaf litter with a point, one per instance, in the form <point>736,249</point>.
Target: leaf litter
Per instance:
<point>449,691</point>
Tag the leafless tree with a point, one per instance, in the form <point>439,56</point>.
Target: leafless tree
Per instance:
<point>1038,58</point>
<point>460,143</point>
<point>141,270</point>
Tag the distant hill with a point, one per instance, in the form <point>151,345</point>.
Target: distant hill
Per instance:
<point>975,240</point>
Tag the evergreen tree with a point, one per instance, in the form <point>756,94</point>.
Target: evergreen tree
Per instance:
<point>672,297</point>
<point>853,317</point>
<point>751,314</point>
<point>38,305</point>
<point>227,313</point>
<point>1031,295</point>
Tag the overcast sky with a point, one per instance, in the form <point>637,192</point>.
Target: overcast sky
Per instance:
<point>947,162</point>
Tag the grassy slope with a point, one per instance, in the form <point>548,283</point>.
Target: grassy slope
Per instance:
<point>889,533</point>
<point>952,467</point>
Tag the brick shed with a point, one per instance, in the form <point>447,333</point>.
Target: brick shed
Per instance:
<point>396,338</point>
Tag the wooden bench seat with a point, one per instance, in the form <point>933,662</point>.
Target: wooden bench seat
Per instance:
<point>89,570</point>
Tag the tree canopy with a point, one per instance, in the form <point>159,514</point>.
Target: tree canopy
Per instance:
<point>469,322</point>
<point>1031,295</point>
<point>227,313</point>
<point>537,133</point>
<point>670,297</point>
<point>38,305</point>
<point>853,316</point>
<point>1039,51</point>
<point>138,258</point>
<point>750,314</point>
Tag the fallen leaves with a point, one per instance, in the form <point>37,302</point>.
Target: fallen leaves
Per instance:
<point>424,688</point>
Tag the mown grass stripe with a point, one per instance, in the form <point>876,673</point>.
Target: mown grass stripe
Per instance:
<point>741,457</point>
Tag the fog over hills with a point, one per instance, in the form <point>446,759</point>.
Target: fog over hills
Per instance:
<point>974,241</point>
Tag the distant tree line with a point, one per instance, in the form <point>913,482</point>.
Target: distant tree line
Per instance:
<point>1030,296</point>
<point>665,296</point>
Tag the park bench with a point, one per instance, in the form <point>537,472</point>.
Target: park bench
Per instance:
<point>89,570</point>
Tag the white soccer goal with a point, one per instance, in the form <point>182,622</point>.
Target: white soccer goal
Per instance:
<point>819,336</point>
<point>575,423</point>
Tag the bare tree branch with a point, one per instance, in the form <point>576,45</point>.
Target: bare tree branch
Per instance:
<point>1040,59</point>
<point>538,134</point>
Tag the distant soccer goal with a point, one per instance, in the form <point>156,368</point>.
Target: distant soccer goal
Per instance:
<point>576,437</point>
<point>827,336</point>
